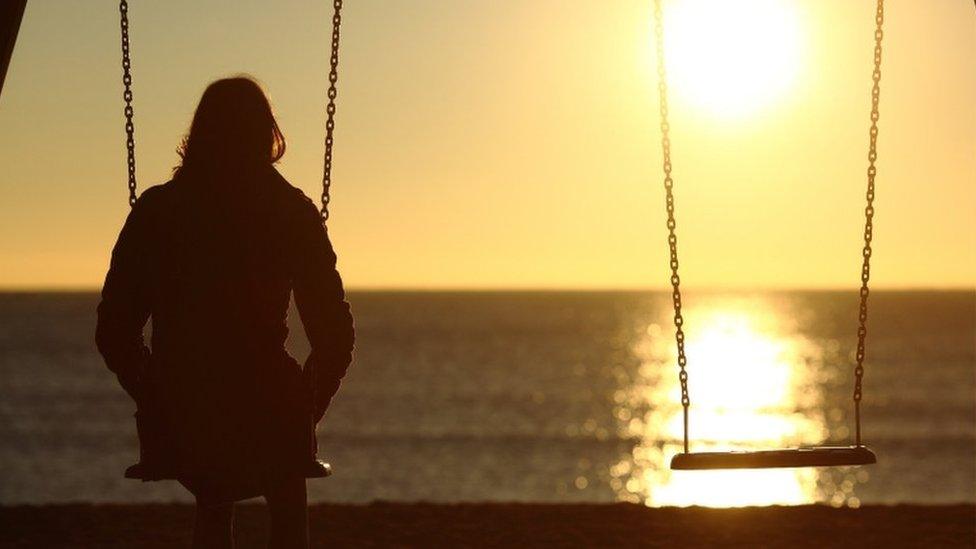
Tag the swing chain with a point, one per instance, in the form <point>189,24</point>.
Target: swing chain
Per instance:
<point>330,109</point>
<point>130,141</point>
<point>679,334</point>
<point>872,171</point>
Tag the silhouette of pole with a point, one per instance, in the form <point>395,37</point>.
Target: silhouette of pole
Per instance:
<point>11,12</point>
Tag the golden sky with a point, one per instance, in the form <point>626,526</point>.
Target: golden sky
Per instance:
<point>486,143</point>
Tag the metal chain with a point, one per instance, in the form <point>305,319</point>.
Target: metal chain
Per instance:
<point>679,334</point>
<point>331,109</point>
<point>862,330</point>
<point>130,142</point>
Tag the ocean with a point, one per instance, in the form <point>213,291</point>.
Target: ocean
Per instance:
<point>550,397</point>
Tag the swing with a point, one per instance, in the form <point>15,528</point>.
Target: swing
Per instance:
<point>145,469</point>
<point>817,456</point>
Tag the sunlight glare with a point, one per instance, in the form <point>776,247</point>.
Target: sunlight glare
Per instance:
<point>731,59</point>
<point>753,381</point>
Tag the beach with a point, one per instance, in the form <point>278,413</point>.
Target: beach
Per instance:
<point>531,274</point>
<point>507,525</point>
<point>530,419</point>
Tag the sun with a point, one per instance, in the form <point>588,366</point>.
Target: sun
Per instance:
<point>732,58</point>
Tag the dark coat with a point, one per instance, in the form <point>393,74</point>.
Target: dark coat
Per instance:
<point>213,262</point>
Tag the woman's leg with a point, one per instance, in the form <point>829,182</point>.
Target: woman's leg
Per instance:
<point>288,506</point>
<point>214,526</point>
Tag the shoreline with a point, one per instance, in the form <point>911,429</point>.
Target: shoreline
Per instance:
<point>383,524</point>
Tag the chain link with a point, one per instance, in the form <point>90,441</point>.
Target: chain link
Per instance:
<point>130,141</point>
<point>862,330</point>
<point>679,334</point>
<point>331,109</point>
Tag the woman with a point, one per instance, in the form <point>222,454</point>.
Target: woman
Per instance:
<point>213,257</point>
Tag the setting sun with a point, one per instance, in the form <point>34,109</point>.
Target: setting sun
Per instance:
<point>731,59</point>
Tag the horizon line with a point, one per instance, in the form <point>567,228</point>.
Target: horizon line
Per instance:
<point>552,289</point>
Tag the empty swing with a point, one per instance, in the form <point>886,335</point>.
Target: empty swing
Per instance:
<point>146,469</point>
<point>817,456</point>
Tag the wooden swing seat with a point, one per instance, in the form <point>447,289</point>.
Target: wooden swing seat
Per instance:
<point>816,456</point>
<point>141,471</point>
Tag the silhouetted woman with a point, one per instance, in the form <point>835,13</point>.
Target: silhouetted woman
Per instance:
<point>213,257</point>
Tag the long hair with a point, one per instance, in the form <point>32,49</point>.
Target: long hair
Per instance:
<point>233,127</point>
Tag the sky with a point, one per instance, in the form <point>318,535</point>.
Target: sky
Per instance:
<point>515,144</point>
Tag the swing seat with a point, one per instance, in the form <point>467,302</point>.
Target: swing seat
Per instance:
<point>816,456</point>
<point>142,471</point>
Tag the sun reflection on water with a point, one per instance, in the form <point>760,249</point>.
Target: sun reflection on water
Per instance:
<point>754,384</point>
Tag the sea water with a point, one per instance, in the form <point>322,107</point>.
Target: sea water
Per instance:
<point>550,397</point>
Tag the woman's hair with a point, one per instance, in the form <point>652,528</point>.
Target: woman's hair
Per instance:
<point>233,127</point>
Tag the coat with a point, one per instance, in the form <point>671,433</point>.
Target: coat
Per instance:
<point>213,260</point>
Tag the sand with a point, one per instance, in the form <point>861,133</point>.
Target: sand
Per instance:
<point>508,525</point>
